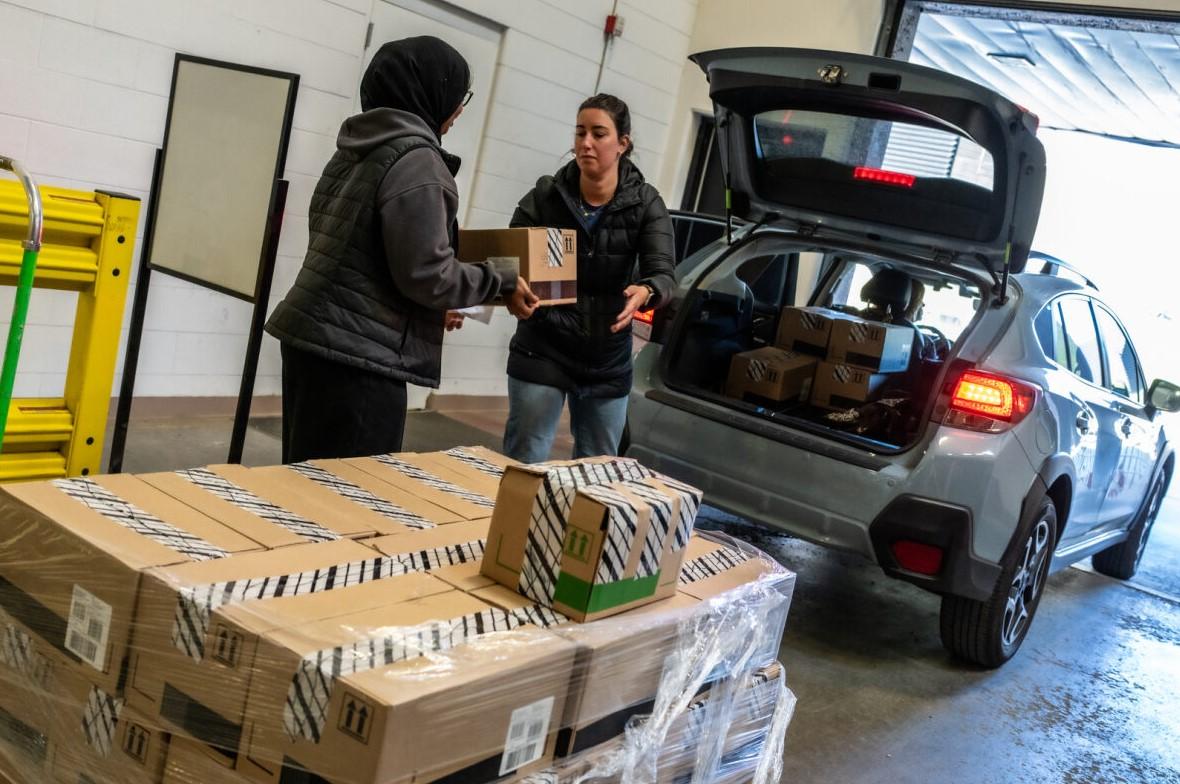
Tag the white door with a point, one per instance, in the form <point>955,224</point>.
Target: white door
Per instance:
<point>476,40</point>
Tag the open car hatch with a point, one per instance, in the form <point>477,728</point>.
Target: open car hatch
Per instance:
<point>881,151</point>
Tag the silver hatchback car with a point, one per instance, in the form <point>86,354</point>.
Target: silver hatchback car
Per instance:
<point>1020,436</point>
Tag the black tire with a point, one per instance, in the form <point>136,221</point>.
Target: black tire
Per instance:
<point>1122,560</point>
<point>988,633</point>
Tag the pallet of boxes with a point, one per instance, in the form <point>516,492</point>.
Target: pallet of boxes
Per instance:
<point>823,358</point>
<point>384,620</point>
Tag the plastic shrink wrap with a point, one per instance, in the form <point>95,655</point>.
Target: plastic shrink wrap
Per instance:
<point>442,617</point>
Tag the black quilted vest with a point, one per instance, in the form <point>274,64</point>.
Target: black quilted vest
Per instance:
<point>344,305</point>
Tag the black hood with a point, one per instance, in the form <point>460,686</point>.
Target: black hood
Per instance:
<point>423,75</point>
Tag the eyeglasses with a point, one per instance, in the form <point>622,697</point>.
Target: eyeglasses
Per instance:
<point>467,97</point>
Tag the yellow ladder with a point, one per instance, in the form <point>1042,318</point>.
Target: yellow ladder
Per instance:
<point>88,243</point>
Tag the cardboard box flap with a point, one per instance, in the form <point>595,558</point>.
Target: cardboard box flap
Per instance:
<point>406,508</point>
<point>466,577</point>
<point>481,459</point>
<point>317,494</point>
<point>446,545</point>
<point>120,525</point>
<point>266,523</point>
<point>426,484</point>
<point>471,472</point>
<point>304,508</point>
<point>300,609</point>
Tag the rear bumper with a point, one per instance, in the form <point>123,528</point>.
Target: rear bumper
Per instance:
<point>946,526</point>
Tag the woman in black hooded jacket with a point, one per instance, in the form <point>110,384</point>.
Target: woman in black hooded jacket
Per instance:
<point>367,311</point>
<point>625,244</point>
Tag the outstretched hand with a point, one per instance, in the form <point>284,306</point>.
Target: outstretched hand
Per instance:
<point>454,320</point>
<point>636,299</point>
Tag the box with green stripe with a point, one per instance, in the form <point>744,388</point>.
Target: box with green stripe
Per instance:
<point>589,538</point>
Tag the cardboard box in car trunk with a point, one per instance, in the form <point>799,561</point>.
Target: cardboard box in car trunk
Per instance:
<point>176,605</point>
<point>476,704</point>
<point>771,373</point>
<point>219,685</point>
<point>405,472</point>
<point>71,555</point>
<point>589,538</point>
<point>845,386</point>
<point>618,667</point>
<point>807,330</point>
<point>451,553</point>
<point>881,348</point>
<point>548,258</point>
<point>101,739</point>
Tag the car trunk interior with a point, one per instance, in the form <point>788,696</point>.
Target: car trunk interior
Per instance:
<point>859,364</point>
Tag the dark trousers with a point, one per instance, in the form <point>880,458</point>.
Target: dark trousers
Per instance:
<point>335,410</point>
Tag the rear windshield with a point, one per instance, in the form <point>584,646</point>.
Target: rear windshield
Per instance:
<point>910,175</point>
<point>939,305</point>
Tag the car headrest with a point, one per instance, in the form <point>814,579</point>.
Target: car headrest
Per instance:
<point>888,287</point>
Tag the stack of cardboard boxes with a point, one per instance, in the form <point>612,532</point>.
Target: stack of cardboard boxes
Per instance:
<point>338,621</point>
<point>824,357</point>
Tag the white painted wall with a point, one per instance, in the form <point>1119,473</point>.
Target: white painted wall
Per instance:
<point>843,25</point>
<point>83,94</point>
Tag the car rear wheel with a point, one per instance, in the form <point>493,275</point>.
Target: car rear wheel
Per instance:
<point>1122,560</point>
<point>989,633</point>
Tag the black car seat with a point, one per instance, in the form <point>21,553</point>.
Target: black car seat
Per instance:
<point>893,297</point>
<point>888,295</point>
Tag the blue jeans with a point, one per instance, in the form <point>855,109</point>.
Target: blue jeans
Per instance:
<point>534,410</point>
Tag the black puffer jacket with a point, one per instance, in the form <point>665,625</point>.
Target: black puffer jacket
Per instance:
<point>571,346</point>
<point>380,269</point>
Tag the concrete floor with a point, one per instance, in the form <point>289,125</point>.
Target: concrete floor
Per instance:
<point>1093,697</point>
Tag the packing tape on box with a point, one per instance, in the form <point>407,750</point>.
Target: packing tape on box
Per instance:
<point>811,322</point>
<point>710,564</point>
<point>690,505</point>
<point>475,461</point>
<point>556,247</point>
<point>19,654</point>
<point>306,708</point>
<point>550,515</point>
<point>100,718</point>
<point>110,506</point>
<point>244,499</point>
<point>622,524</point>
<point>359,495</point>
<point>662,508</point>
<point>195,605</point>
<point>438,483</point>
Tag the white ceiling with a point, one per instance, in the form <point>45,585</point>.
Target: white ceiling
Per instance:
<point>1109,76</point>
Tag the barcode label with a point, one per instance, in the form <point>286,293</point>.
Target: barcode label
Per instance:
<point>527,731</point>
<point>89,627</point>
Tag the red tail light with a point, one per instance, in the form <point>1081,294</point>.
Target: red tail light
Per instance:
<point>989,402</point>
<point>917,556</point>
<point>883,176</point>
